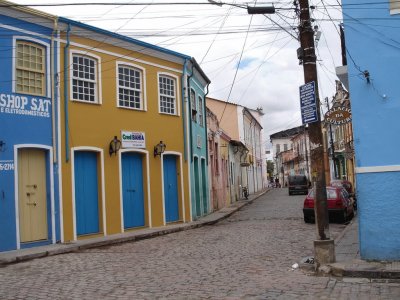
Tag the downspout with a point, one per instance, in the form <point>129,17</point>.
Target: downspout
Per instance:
<point>52,81</point>
<point>185,150</point>
<point>66,95</point>
<point>190,116</point>
<point>184,99</point>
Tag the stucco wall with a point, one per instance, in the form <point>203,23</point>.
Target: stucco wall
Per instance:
<point>373,47</point>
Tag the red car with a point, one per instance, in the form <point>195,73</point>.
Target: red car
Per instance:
<point>340,205</point>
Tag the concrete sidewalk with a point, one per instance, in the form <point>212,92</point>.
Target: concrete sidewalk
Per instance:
<point>15,256</point>
<point>349,263</point>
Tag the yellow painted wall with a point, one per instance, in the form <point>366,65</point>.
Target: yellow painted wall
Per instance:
<point>95,125</point>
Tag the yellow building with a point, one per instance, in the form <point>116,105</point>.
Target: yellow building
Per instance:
<point>122,133</point>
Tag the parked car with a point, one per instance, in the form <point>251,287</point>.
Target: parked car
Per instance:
<point>349,188</point>
<point>340,205</point>
<point>298,184</point>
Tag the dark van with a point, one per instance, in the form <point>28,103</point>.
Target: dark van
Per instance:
<point>298,184</point>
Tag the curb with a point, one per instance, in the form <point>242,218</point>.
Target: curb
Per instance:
<point>56,249</point>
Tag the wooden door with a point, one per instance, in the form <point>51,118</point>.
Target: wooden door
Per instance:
<point>32,195</point>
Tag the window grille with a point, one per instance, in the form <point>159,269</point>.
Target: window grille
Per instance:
<point>30,68</point>
<point>130,93</point>
<point>84,79</point>
<point>167,89</point>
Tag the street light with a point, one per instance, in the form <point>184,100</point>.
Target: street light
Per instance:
<point>263,10</point>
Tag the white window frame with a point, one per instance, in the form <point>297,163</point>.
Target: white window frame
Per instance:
<point>16,38</point>
<point>177,93</point>
<point>143,104</point>
<point>394,7</point>
<point>98,94</point>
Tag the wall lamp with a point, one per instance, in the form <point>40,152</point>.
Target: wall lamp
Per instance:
<point>2,146</point>
<point>159,148</point>
<point>115,145</point>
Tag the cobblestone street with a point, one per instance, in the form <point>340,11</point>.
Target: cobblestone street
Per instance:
<point>247,256</point>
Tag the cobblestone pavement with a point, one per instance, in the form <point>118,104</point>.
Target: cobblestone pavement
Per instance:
<point>247,256</point>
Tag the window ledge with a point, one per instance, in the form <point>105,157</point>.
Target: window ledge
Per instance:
<point>85,102</point>
<point>395,11</point>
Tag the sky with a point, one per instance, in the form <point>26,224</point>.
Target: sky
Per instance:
<point>251,60</point>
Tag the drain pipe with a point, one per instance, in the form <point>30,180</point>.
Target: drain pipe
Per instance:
<point>53,101</point>
<point>183,110</point>
<point>66,95</point>
<point>190,115</point>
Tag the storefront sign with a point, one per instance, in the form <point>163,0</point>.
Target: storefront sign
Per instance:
<point>338,115</point>
<point>133,139</point>
<point>25,105</point>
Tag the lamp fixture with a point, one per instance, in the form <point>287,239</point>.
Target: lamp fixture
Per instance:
<point>159,148</point>
<point>2,146</point>
<point>115,145</point>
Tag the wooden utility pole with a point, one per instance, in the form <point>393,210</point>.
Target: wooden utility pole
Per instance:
<point>324,247</point>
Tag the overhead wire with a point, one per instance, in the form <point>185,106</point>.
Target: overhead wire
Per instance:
<point>237,69</point>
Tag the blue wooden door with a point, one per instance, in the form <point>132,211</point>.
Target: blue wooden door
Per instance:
<point>204,185</point>
<point>197,186</point>
<point>86,192</point>
<point>171,189</point>
<point>132,190</point>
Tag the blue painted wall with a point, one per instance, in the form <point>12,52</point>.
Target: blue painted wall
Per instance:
<point>22,121</point>
<point>199,197</point>
<point>373,42</point>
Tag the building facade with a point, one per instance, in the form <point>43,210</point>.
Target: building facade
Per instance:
<point>124,141</point>
<point>282,153</point>
<point>30,212</point>
<point>198,86</point>
<point>373,86</point>
<point>242,125</point>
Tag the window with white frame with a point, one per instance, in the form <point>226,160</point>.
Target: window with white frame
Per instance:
<point>84,78</point>
<point>30,68</point>
<point>130,87</point>
<point>167,90</point>
<point>193,104</point>
<point>201,121</point>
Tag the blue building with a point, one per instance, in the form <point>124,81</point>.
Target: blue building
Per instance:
<point>29,206</point>
<point>372,48</point>
<point>197,90</point>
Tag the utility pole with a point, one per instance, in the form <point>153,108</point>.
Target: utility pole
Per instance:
<point>324,247</point>
<point>331,142</point>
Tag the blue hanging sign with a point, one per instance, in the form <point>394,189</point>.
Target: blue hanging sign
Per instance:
<point>308,103</point>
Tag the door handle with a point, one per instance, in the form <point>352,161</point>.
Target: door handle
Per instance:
<point>34,204</point>
<point>32,185</point>
<point>131,190</point>
<point>29,194</point>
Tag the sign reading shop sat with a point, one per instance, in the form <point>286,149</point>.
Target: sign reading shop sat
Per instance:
<point>338,115</point>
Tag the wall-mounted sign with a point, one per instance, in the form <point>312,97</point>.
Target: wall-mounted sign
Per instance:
<point>6,165</point>
<point>133,139</point>
<point>25,105</point>
<point>338,115</point>
<point>308,103</point>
